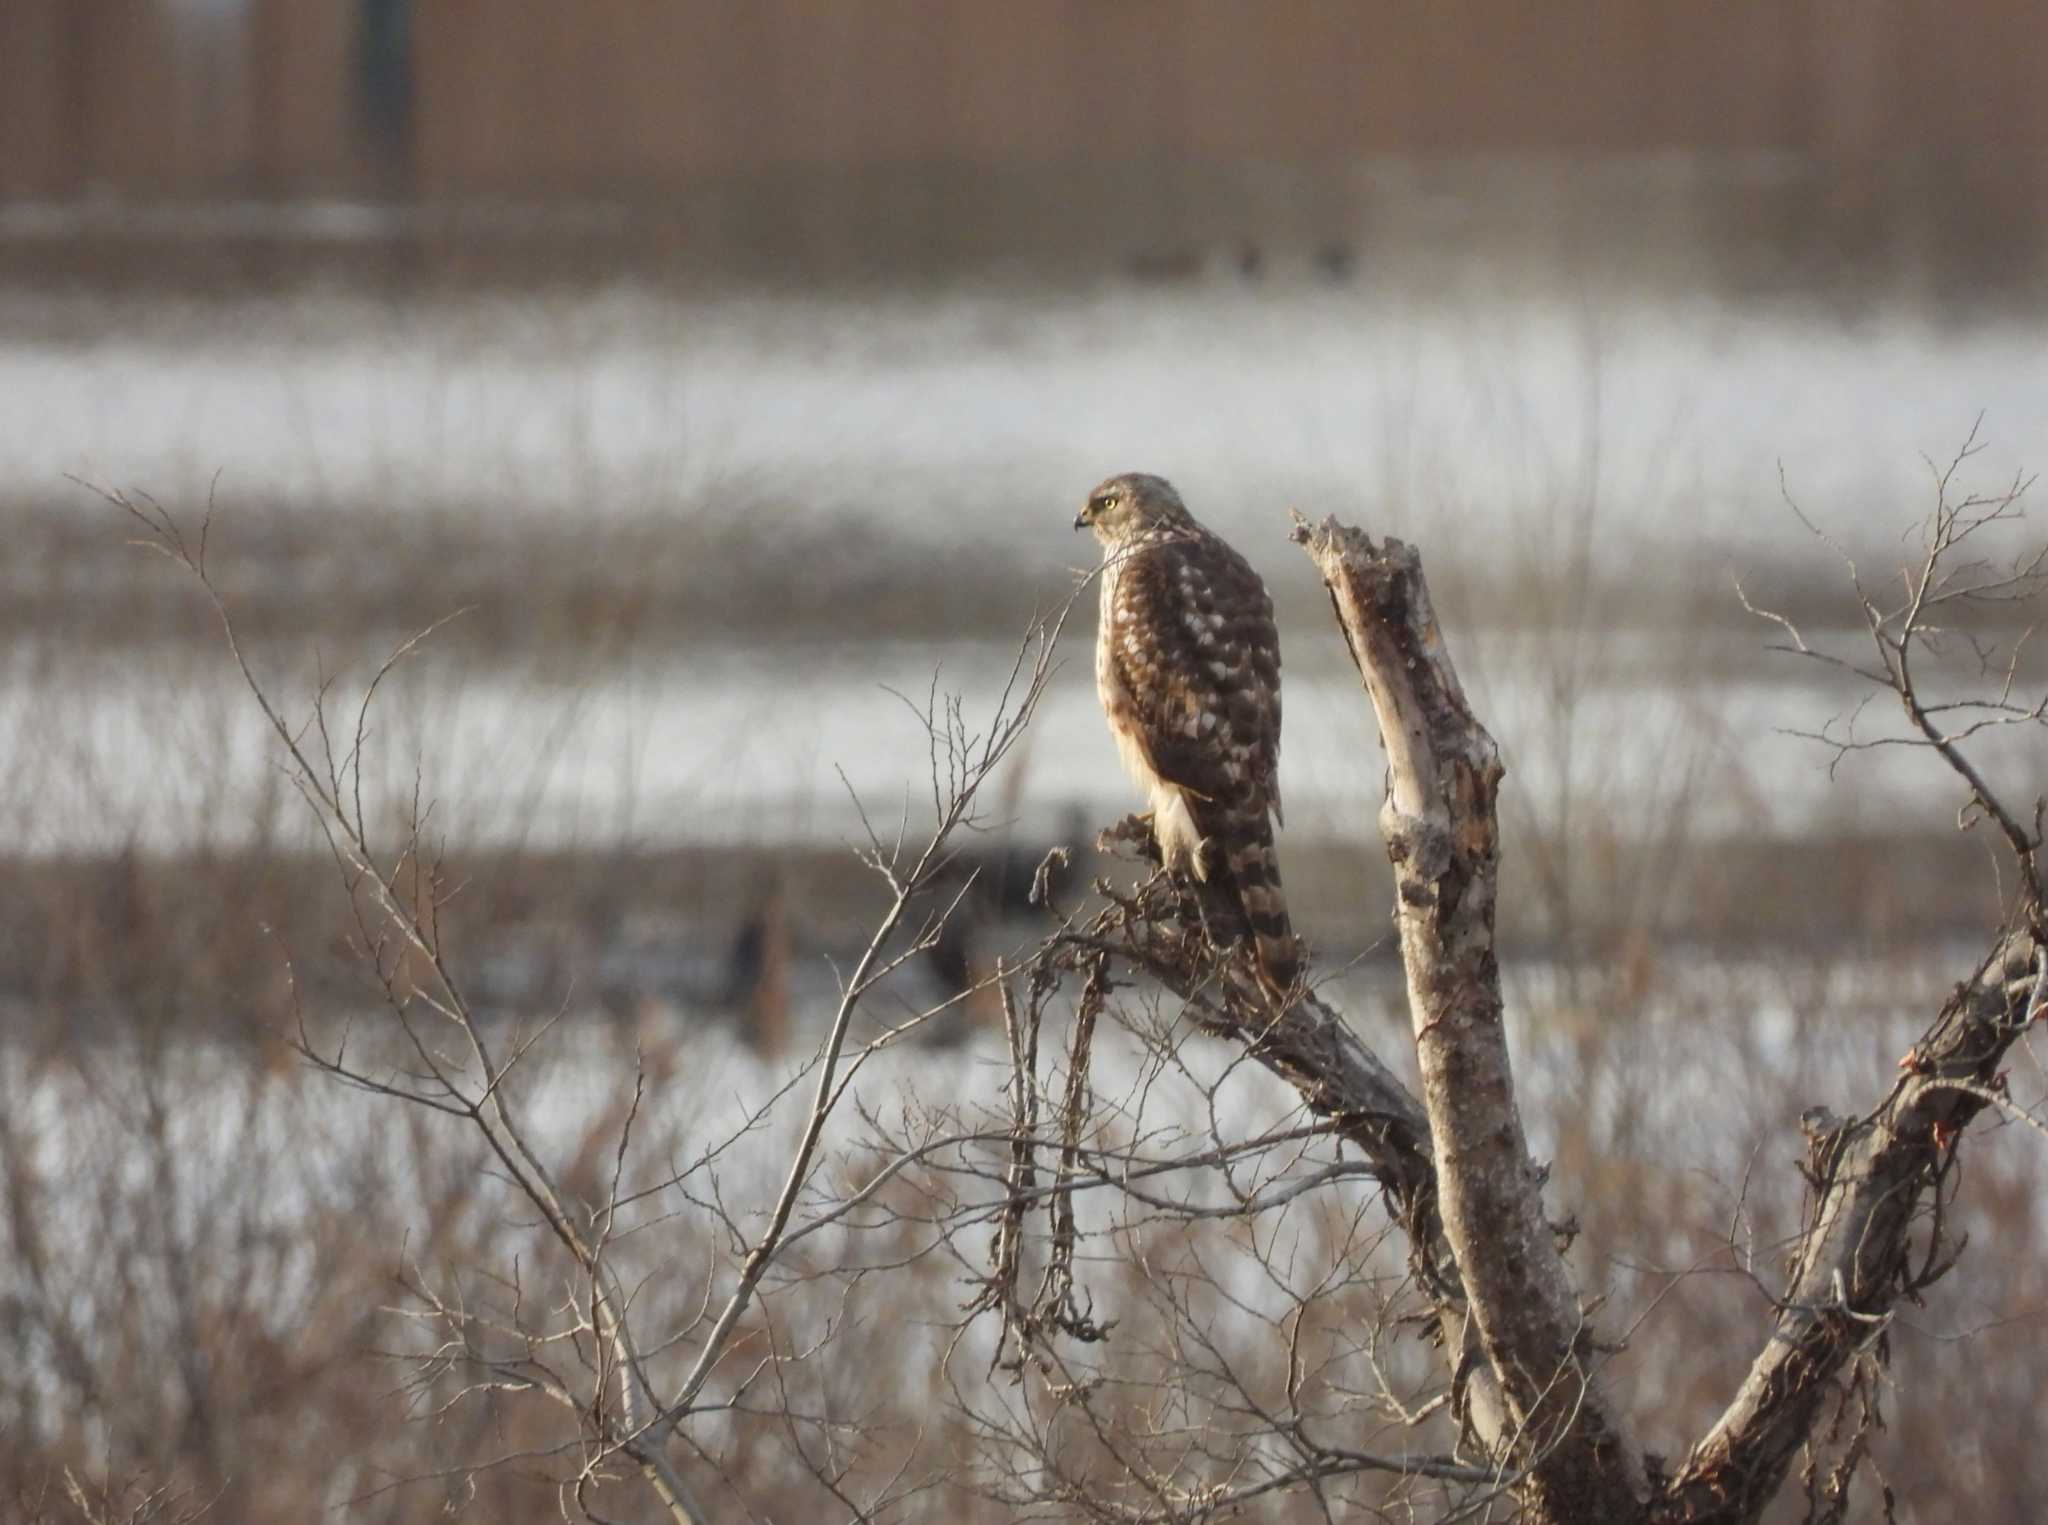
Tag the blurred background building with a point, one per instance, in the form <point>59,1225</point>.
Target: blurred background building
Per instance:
<point>935,130</point>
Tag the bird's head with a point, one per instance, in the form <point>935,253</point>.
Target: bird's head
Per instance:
<point>1126,505</point>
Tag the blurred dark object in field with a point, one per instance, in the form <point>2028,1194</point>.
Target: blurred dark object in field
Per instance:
<point>199,942</point>
<point>384,90</point>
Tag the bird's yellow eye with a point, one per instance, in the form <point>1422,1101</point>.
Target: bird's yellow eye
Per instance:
<point>1101,503</point>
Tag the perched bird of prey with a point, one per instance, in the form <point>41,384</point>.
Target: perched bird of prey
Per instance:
<point>1187,664</point>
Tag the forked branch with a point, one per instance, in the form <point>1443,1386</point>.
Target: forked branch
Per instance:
<point>1878,1179</point>
<point>1873,1179</point>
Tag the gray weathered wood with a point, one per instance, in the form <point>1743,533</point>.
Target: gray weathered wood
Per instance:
<point>1874,1177</point>
<point>1441,831</point>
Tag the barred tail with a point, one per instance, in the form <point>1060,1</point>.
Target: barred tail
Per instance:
<point>1255,875</point>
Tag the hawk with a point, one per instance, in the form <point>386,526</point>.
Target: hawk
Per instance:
<point>1187,664</point>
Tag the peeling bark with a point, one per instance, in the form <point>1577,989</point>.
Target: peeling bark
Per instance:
<point>1439,824</point>
<point>1875,1179</point>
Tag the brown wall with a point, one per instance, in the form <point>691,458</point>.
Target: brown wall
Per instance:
<point>665,92</point>
<point>535,96</point>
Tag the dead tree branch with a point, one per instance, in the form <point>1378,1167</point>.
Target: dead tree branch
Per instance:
<point>397,899</point>
<point>1879,1180</point>
<point>1873,1177</point>
<point>1442,835</point>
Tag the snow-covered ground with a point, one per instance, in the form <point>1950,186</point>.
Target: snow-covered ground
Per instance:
<point>1480,406</point>
<point>735,746</point>
<point>965,423</point>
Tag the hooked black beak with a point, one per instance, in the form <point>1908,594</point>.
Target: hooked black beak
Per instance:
<point>1081,520</point>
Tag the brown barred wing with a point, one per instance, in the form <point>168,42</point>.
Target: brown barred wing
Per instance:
<point>1199,655</point>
